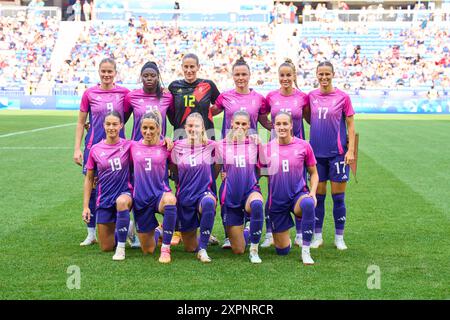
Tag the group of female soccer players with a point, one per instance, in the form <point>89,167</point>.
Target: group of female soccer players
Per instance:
<point>124,176</point>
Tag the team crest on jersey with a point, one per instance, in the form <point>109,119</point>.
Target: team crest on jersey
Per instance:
<point>102,154</point>
<point>277,103</point>
<point>253,102</point>
<point>138,153</point>
<point>99,98</point>
<point>315,101</point>
<point>180,90</point>
<point>141,101</point>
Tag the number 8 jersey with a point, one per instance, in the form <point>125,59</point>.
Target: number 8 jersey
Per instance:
<point>285,167</point>
<point>112,162</point>
<point>328,131</point>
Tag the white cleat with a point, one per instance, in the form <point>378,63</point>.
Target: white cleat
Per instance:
<point>202,255</point>
<point>340,244</point>
<point>317,243</point>
<point>306,257</point>
<point>88,241</point>
<point>298,240</point>
<point>119,255</point>
<point>254,257</point>
<point>226,244</point>
<point>135,243</point>
<point>268,241</point>
<point>213,240</point>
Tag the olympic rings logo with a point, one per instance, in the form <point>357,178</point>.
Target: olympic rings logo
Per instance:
<point>38,101</point>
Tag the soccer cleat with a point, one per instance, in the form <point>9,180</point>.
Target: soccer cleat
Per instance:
<point>226,244</point>
<point>119,255</point>
<point>176,238</point>
<point>88,241</point>
<point>254,257</point>
<point>340,244</point>
<point>202,255</point>
<point>268,241</point>
<point>135,243</point>
<point>306,257</point>
<point>298,240</point>
<point>316,243</point>
<point>165,255</point>
<point>213,240</point>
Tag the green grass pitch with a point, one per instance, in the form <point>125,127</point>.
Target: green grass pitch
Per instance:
<point>398,220</point>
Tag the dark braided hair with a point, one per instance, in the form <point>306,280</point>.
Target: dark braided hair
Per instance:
<point>152,65</point>
<point>241,62</point>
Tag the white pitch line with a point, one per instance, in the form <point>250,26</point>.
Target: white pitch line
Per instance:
<point>35,130</point>
<point>35,148</point>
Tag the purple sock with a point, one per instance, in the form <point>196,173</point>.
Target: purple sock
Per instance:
<point>339,212</point>
<point>256,221</point>
<point>307,222</point>
<point>206,221</point>
<point>116,237</point>
<point>268,224</point>
<point>170,217</point>
<point>92,206</point>
<point>122,224</point>
<point>298,225</point>
<point>320,213</point>
<point>156,235</point>
<point>222,213</point>
<point>246,235</point>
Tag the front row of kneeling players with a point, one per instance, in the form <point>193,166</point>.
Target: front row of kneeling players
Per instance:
<point>133,175</point>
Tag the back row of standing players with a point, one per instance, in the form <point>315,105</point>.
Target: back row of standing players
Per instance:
<point>190,104</point>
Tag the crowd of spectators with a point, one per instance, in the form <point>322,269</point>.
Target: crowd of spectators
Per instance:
<point>136,43</point>
<point>420,57</point>
<point>26,44</point>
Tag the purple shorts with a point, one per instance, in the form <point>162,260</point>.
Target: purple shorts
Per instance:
<point>189,216</point>
<point>145,218</point>
<point>280,219</point>
<point>236,216</point>
<point>333,169</point>
<point>106,215</point>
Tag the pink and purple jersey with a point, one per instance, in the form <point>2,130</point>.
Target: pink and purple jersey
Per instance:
<point>140,103</point>
<point>231,101</point>
<point>239,162</point>
<point>112,162</point>
<point>285,166</point>
<point>328,131</point>
<point>149,168</point>
<point>97,103</point>
<point>293,104</point>
<point>194,170</point>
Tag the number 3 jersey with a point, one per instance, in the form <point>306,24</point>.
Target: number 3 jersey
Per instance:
<point>328,131</point>
<point>97,103</point>
<point>149,172</point>
<point>194,163</point>
<point>112,162</point>
<point>189,98</point>
<point>285,167</point>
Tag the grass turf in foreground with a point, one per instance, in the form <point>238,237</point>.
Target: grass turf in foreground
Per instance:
<point>397,220</point>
